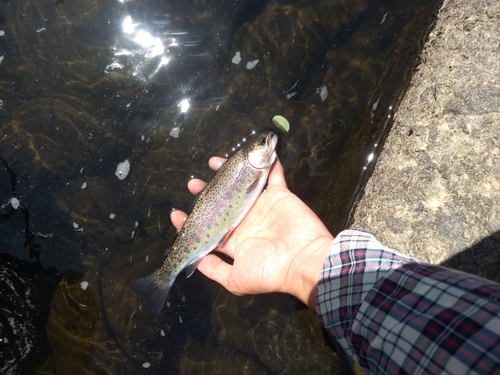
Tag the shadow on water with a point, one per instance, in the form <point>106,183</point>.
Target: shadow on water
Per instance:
<point>481,259</point>
<point>85,85</point>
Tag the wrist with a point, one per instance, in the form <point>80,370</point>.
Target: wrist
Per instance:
<point>305,269</point>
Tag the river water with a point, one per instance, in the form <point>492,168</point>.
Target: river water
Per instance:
<point>86,85</point>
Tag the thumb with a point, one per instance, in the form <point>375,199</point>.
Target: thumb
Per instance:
<point>217,270</point>
<point>277,175</point>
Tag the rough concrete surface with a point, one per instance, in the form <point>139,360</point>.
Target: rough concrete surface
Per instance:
<point>435,191</point>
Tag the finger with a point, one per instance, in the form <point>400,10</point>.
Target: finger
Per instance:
<point>216,162</point>
<point>216,269</point>
<point>277,175</point>
<point>195,185</point>
<point>177,217</point>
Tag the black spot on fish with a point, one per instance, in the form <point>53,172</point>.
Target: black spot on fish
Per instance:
<point>208,235</point>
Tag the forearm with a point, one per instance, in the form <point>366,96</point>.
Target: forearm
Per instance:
<point>390,313</point>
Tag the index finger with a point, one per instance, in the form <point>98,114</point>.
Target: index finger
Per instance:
<point>195,185</point>
<point>216,162</point>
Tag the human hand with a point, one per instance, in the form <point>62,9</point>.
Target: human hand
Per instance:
<point>280,245</point>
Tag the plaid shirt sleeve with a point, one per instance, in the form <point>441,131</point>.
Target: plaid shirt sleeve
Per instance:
<point>392,314</point>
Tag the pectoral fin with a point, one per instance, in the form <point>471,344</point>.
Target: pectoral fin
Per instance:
<point>255,182</point>
<point>226,236</point>
<point>192,267</point>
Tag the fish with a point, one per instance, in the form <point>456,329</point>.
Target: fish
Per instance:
<point>218,210</point>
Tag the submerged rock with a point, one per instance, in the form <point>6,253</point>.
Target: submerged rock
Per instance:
<point>26,290</point>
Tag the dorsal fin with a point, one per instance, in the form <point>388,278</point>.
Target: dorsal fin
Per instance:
<point>188,204</point>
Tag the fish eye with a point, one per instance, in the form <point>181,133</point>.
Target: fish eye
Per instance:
<point>261,140</point>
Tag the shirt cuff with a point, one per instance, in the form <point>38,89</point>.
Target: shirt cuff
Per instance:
<point>356,261</point>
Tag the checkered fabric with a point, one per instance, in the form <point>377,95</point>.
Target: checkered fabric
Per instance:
<point>395,315</point>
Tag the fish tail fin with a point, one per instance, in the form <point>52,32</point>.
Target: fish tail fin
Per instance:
<point>156,292</point>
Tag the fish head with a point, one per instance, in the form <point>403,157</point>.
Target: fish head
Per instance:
<point>262,150</point>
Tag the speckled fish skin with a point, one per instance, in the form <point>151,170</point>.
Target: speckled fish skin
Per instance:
<point>219,208</point>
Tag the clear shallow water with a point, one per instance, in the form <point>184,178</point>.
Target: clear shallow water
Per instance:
<point>86,85</point>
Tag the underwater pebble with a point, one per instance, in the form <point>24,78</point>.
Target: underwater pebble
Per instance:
<point>147,258</point>
<point>252,64</point>
<point>236,58</point>
<point>122,170</point>
<point>146,365</point>
<point>323,92</point>
<point>76,227</point>
<point>375,105</point>
<point>113,66</point>
<point>162,333</point>
<point>14,203</point>
<point>84,285</point>
<point>2,33</point>
<point>175,132</point>
<point>384,17</point>
<point>112,215</point>
<point>84,185</point>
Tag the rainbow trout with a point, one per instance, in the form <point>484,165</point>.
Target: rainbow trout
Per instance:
<point>220,207</point>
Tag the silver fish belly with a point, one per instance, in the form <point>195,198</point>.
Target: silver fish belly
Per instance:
<point>220,207</point>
